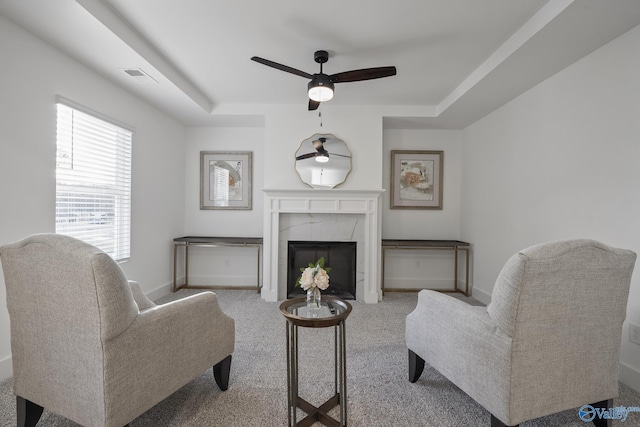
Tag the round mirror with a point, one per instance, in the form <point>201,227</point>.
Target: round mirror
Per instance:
<point>323,161</point>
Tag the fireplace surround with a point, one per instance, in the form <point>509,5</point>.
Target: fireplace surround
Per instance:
<point>347,211</point>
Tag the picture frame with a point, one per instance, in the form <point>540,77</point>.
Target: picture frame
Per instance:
<point>226,180</point>
<point>416,179</point>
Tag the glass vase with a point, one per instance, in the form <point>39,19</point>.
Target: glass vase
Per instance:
<point>314,297</point>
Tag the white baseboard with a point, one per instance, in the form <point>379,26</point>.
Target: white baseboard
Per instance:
<point>6,368</point>
<point>415,283</point>
<point>629,376</point>
<point>167,288</point>
<point>481,296</point>
<point>160,291</point>
<point>219,280</point>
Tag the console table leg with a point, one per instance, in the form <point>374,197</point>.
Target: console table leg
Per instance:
<point>186,265</point>
<point>382,271</point>
<point>466,282</point>
<point>455,272</point>
<point>258,271</point>
<point>175,264</point>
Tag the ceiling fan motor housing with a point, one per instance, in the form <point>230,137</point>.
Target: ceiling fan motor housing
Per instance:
<point>321,56</point>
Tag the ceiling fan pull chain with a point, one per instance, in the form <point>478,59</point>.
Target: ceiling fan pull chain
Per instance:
<point>320,114</point>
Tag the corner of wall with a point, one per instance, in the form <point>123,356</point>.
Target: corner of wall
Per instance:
<point>629,376</point>
<point>481,296</point>
<point>6,368</point>
<point>159,292</point>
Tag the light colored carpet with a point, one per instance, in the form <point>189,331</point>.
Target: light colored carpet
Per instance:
<point>379,393</point>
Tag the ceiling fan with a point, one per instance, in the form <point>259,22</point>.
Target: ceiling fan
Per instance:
<point>321,86</point>
<point>321,154</point>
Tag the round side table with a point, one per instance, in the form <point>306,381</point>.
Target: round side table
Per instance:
<point>332,312</point>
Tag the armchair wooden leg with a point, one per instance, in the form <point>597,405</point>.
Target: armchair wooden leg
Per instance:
<point>497,423</point>
<point>28,412</point>
<point>221,373</point>
<point>416,366</point>
<point>599,422</point>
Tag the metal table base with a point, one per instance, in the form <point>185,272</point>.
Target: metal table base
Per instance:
<point>320,413</point>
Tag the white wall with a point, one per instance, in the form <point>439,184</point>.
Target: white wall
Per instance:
<point>274,147</point>
<point>359,127</point>
<point>427,268</point>
<point>223,266</point>
<point>32,73</point>
<point>560,161</point>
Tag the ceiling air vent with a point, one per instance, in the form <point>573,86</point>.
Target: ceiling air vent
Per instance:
<point>139,76</point>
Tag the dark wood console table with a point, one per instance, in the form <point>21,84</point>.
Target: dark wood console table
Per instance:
<point>212,242</point>
<point>453,245</point>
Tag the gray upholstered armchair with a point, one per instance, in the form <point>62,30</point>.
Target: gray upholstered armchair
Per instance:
<point>549,341</point>
<point>88,345</point>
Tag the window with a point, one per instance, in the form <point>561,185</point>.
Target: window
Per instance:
<point>93,179</point>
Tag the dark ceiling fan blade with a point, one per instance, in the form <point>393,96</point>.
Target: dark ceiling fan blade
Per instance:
<point>306,156</point>
<point>282,67</point>
<point>313,105</point>
<point>363,74</point>
<point>339,155</point>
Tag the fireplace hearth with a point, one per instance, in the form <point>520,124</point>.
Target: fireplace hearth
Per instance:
<point>339,256</point>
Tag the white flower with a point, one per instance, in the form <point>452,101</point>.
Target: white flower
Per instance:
<point>306,280</point>
<point>321,279</point>
<point>314,276</point>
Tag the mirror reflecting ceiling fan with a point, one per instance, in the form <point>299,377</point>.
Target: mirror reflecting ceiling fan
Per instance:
<point>321,154</point>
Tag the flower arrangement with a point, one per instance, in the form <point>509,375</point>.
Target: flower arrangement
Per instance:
<point>314,276</point>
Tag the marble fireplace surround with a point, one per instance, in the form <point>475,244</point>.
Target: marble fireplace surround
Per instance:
<point>355,213</point>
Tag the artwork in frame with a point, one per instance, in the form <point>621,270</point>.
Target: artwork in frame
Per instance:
<point>416,179</point>
<point>225,179</point>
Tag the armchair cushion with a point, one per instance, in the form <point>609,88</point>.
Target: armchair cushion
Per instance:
<point>138,295</point>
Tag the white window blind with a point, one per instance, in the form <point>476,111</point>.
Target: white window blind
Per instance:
<point>220,186</point>
<point>93,180</point>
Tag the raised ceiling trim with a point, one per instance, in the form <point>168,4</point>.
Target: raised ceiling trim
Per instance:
<point>532,27</point>
<point>118,25</point>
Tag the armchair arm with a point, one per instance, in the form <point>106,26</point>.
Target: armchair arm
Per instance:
<point>464,344</point>
<point>164,348</point>
<point>139,296</point>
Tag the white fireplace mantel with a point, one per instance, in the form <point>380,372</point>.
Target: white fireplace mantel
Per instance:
<point>365,203</point>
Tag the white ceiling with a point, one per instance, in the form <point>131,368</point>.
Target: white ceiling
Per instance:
<point>456,60</point>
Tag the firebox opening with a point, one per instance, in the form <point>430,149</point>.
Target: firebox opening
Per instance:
<point>339,256</point>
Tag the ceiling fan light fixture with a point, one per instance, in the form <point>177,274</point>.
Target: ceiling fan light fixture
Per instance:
<point>322,158</point>
<point>320,89</point>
